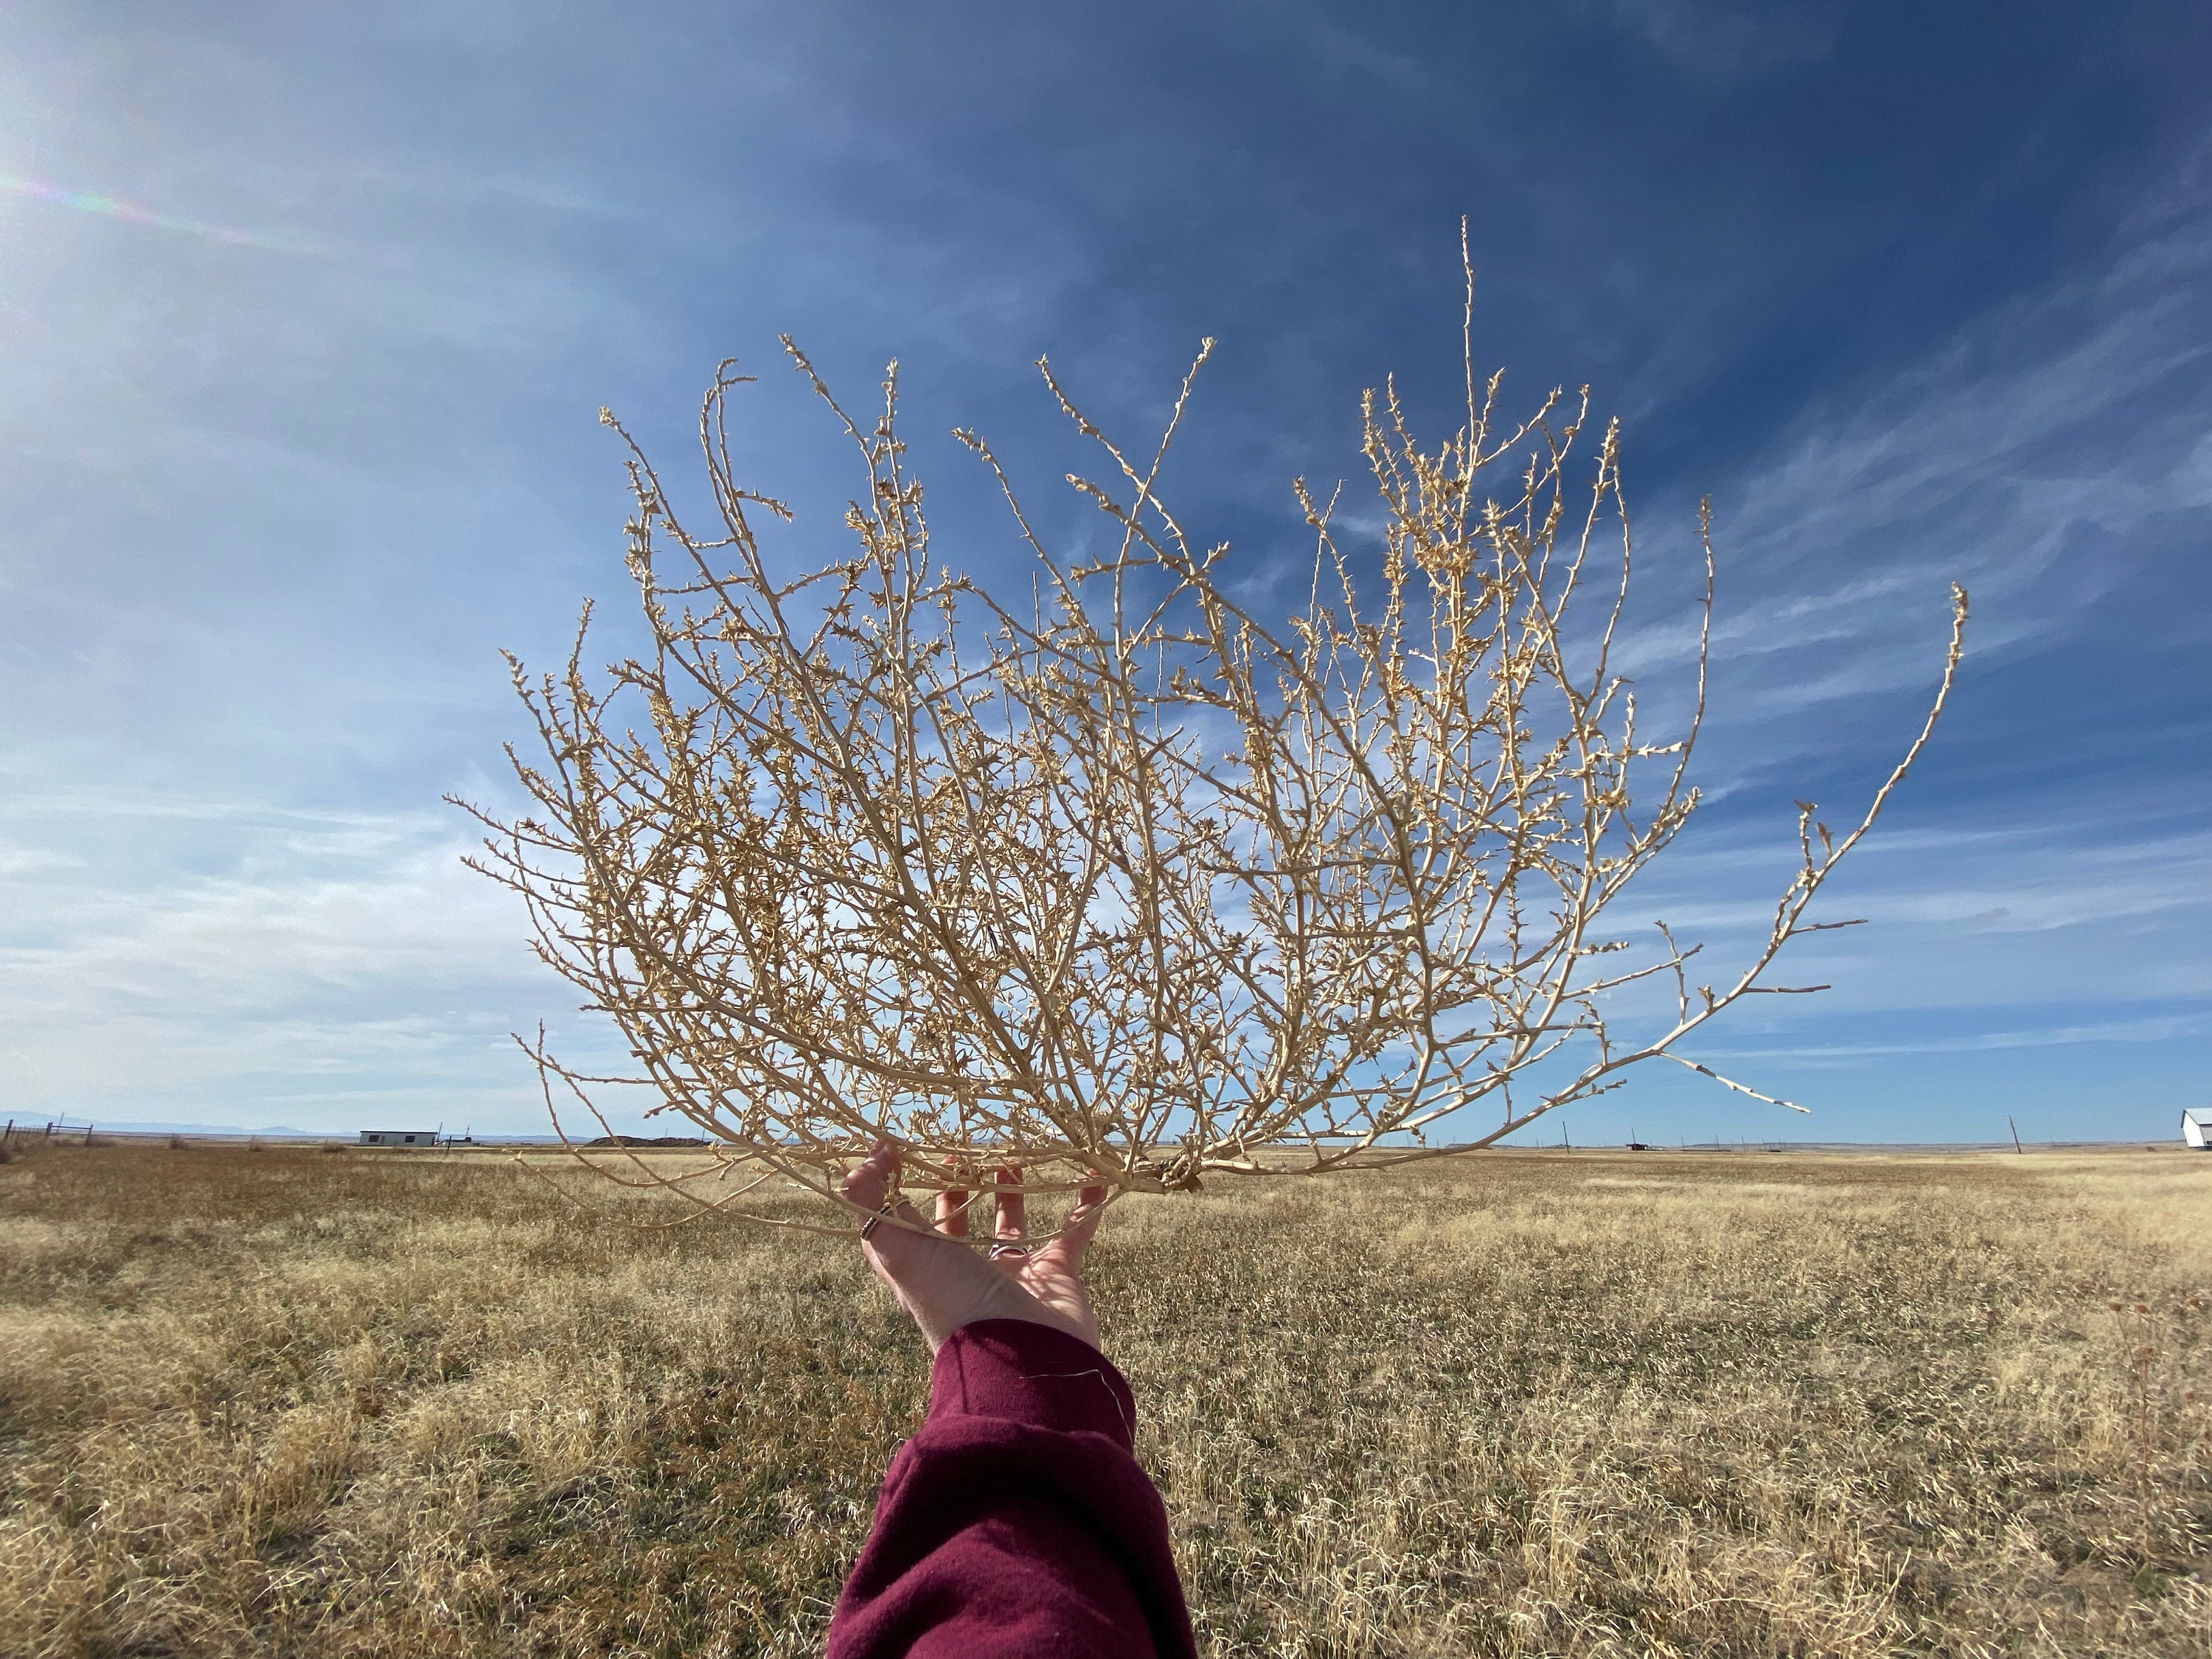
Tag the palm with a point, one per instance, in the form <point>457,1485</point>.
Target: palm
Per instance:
<point>1049,1276</point>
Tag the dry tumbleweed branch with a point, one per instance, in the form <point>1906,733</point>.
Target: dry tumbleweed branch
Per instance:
<point>1133,885</point>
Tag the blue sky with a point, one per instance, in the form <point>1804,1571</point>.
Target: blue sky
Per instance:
<point>306,314</point>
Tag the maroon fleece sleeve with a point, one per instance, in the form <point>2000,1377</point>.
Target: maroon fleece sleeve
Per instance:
<point>1016,1524</point>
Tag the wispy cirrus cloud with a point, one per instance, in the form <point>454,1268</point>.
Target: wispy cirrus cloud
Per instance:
<point>341,957</point>
<point>1727,39</point>
<point>2011,461</point>
<point>269,514</point>
<point>2153,1027</point>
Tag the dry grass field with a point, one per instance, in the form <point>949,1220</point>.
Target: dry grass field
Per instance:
<point>292,1402</point>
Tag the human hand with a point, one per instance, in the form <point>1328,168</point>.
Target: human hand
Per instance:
<point>946,1286</point>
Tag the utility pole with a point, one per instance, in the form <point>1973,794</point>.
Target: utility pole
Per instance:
<point>2014,1127</point>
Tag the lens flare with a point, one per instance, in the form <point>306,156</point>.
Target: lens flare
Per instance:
<point>107,207</point>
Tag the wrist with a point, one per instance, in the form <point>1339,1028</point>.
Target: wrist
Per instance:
<point>997,1298</point>
<point>1028,1371</point>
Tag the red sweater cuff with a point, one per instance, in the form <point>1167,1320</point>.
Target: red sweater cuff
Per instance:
<point>1029,1373</point>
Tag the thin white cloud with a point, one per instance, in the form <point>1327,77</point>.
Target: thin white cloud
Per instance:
<point>1727,39</point>
<point>2079,409</point>
<point>326,948</point>
<point>2158,1028</point>
<point>221,456</point>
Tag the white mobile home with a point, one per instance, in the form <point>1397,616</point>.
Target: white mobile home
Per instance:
<point>398,1138</point>
<point>2196,1127</point>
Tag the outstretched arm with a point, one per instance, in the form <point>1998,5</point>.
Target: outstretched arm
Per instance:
<point>1017,1523</point>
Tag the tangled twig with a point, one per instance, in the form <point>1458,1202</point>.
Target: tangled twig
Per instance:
<point>1137,886</point>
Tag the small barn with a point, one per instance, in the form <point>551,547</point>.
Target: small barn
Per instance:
<point>2196,1127</point>
<point>398,1138</point>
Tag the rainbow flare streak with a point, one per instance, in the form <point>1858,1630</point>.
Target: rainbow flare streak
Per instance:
<point>107,207</point>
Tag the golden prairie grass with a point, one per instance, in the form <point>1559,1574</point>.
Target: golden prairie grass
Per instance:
<point>280,1402</point>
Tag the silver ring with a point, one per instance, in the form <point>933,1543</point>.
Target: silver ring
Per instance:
<point>998,1251</point>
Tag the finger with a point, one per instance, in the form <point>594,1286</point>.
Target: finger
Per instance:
<point>952,1213</point>
<point>866,1184</point>
<point>1014,1208</point>
<point>1075,1234</point>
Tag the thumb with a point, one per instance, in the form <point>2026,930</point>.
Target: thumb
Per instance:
<point>898,1250</point>
<point>1076,1233</point>
<point>875,1176</point>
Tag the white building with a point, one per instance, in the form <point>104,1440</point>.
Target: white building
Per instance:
<point>398,1138</point>
<point>2196,1127</point>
